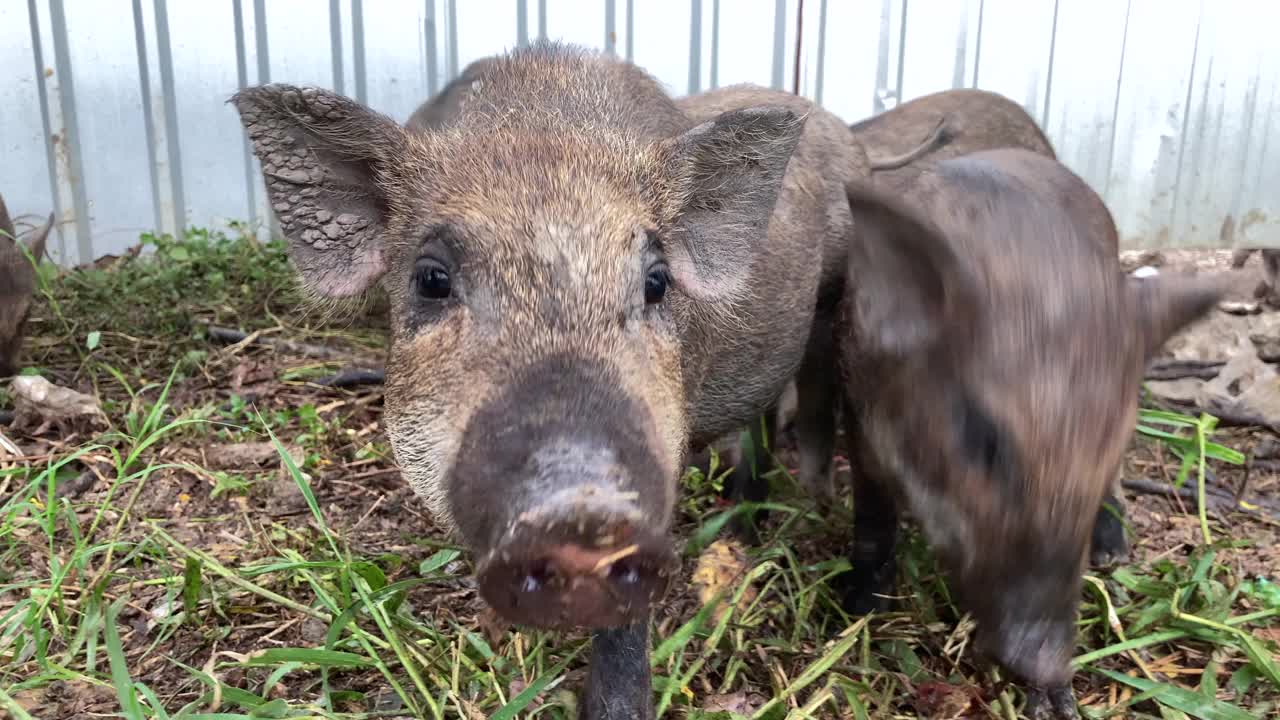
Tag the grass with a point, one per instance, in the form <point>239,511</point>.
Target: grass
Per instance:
<point>143,575</point>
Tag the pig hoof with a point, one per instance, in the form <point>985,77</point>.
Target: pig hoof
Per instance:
<point>866,591</point>
<point>1108,545</point>
<point>1057,703</point>
<point>744,528</point>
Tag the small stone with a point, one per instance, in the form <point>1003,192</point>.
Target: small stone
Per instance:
<point>323,216</point>
<point>310,236</point>
<point>1268,347</point>
<point>295,198</point>
<point>280,207</point>
<point>347,219</point>
<point>321,245</point>
<point>332,231</point>
<point>1235,307</point>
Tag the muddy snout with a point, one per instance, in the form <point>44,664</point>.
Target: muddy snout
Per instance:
<point>585,559</point>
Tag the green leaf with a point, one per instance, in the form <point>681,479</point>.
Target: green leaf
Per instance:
<point>438,560</point>
<point>1189,702</point>
<point>125,691</point>
<point>310,656</point>
<point>526,696</point>
<point>92,340</point>
<point>191,583</point>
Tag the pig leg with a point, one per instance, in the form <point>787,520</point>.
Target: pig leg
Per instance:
<point>817,398</point>
<point>747,482</point>
<point>873,560</point>
<point>618,681</point>
<point>1108,545</point>
<point>1271,275</point>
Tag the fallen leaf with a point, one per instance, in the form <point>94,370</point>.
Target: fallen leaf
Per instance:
<point>943,701</point>
<point>741,702</point>
<point>719,568</point>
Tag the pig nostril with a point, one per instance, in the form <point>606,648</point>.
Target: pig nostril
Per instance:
<point>537,577</point>
<point>624,573</point>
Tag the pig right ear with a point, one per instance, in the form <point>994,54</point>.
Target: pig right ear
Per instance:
<point>326,161</point>
<point>38,240</point>
<point>727,176</point>
<point>906,286</point>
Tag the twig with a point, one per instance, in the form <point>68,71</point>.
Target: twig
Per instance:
<point>229,335</point>
<point>1215,498</point>
<point>1178,369</point>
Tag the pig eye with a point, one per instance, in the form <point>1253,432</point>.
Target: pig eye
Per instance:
<point>655,284</point>
<point>432,281</point>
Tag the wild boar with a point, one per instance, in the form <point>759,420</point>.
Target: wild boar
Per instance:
<point>950,124</point>
<point>900,143</point>
<point>445,105</point>
<point>17,285</point>
<point>992,352</point>
<point>585,279</point>
<point>1269,288</point>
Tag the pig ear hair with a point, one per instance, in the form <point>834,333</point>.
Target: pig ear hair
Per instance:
<point>38,239</point>
<point>907,289</point>
<point>728,173</point>
<point>7,231</point>
<point>1165,304</point>
<point>327,162</point>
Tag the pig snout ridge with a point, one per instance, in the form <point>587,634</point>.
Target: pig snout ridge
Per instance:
<point>586,558</point>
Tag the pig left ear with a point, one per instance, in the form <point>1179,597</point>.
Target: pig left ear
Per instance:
<point>727,176</point>
<point>1164,305</point>
<point>907,290</point>
<point>38,239</point>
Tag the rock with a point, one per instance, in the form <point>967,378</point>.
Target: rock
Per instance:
<point>1268,347</point>
<point>39,403</point>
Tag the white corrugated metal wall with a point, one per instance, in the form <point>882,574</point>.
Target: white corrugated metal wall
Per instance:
<point>114,111</point>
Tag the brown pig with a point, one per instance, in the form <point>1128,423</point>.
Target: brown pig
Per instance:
<point>17,285</point>
<point>585,279</point>
<point>900,144</point>
<point>992,352</point>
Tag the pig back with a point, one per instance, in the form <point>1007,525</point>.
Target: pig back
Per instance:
<point>971,121</point>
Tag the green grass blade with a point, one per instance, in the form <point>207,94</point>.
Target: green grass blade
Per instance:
<point>1187,701</point>
<point>129,705</point>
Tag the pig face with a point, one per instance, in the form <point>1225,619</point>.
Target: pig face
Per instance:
<point>1001,350</point>
<point>17,285</point>
<point>541,267</point>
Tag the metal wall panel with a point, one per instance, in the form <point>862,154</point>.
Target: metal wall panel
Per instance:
<point>116,116</point>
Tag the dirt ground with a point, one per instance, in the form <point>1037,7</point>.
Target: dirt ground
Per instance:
<point>214,495</point>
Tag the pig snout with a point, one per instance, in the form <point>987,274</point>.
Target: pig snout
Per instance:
<point>561,493</point>
<point>585,558</point>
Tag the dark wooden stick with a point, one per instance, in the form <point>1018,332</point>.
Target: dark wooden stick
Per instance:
<point>350,377</point>
<point>1217,499</point>
<point>1178,369</point>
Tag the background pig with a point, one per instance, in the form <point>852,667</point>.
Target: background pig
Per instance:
<point>1270,285</point>
<point>585,278</point>
<point>900,144</point>
<point>993,351</point>
<point>17,285</point>
<point>444,106</point>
